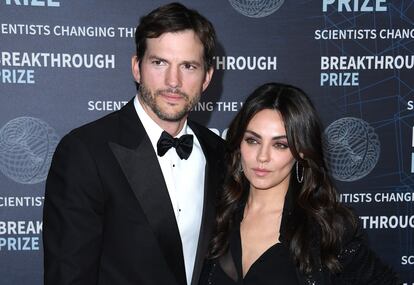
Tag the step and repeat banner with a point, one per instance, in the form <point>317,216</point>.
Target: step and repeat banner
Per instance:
<point>65,63</point>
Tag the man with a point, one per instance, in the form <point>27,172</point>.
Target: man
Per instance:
<point>121,206</point>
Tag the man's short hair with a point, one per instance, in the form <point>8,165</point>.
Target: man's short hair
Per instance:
<point>175,17</point>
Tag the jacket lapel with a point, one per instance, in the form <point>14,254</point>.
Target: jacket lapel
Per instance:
<point>214,174</point>
<point>139,163</point>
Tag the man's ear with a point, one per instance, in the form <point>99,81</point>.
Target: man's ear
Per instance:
<point>135,69</point>
<point>207,78</point>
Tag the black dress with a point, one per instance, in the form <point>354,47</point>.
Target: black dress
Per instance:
<point>274,266</point>
<point>360,266</point>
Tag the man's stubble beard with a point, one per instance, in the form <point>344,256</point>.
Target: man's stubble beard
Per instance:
<point>150,100</point>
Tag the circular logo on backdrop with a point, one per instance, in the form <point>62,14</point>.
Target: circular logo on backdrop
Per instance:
<point>352,149</point>
<point>26,148</point>
<point>256,8</point>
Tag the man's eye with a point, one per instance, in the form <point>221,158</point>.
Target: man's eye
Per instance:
<point>157,62</point>
<point>189,66</point>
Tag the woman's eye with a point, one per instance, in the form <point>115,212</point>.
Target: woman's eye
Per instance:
<point>250,141</point>
<point>281,145</point>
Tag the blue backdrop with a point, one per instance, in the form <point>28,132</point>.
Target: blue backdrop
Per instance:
<point>64,63</point>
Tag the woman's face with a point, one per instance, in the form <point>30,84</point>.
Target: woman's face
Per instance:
<point>265,156</point>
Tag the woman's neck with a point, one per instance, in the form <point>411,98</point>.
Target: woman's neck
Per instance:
<point>266,200</point>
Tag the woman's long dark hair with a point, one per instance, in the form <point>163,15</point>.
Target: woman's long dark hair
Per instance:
<point>316,210</point>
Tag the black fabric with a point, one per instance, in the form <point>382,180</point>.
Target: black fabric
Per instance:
<point>360,265</point>
<point>183,145</point>
<point>108,218</point>
<point>272,267</point>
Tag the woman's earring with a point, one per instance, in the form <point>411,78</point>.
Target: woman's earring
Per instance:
<point>300,179</point>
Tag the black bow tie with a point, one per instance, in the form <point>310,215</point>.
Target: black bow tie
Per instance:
<point>183,145</point>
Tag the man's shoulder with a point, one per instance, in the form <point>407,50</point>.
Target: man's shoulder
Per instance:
<point>99,128</point>
<point>206,133</point>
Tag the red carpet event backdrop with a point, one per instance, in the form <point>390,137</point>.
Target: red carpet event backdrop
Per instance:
<point>64,63</point>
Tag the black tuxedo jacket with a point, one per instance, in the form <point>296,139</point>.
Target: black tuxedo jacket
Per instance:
<point>108,218</point>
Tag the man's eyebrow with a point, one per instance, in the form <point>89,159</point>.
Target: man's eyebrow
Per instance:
<point>157,57</point>
<point>193,62</point>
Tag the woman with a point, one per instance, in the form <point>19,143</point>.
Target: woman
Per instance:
<point>278,220</point>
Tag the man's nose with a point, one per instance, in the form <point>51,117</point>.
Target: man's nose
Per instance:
<point>173,77</point>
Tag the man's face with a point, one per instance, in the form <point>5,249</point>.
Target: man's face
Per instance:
<point>171,75</point>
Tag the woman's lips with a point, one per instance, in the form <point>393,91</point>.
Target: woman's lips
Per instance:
<point>261,171</point>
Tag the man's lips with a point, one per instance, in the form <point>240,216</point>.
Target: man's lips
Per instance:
<point>171,96</point>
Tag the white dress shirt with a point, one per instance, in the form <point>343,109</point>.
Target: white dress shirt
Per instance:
<point>185,184</point>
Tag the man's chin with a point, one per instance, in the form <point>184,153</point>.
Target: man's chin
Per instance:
<point>172,116</point>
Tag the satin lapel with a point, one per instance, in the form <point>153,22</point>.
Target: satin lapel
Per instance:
<point>144,175</point>
<point>213,176</point>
